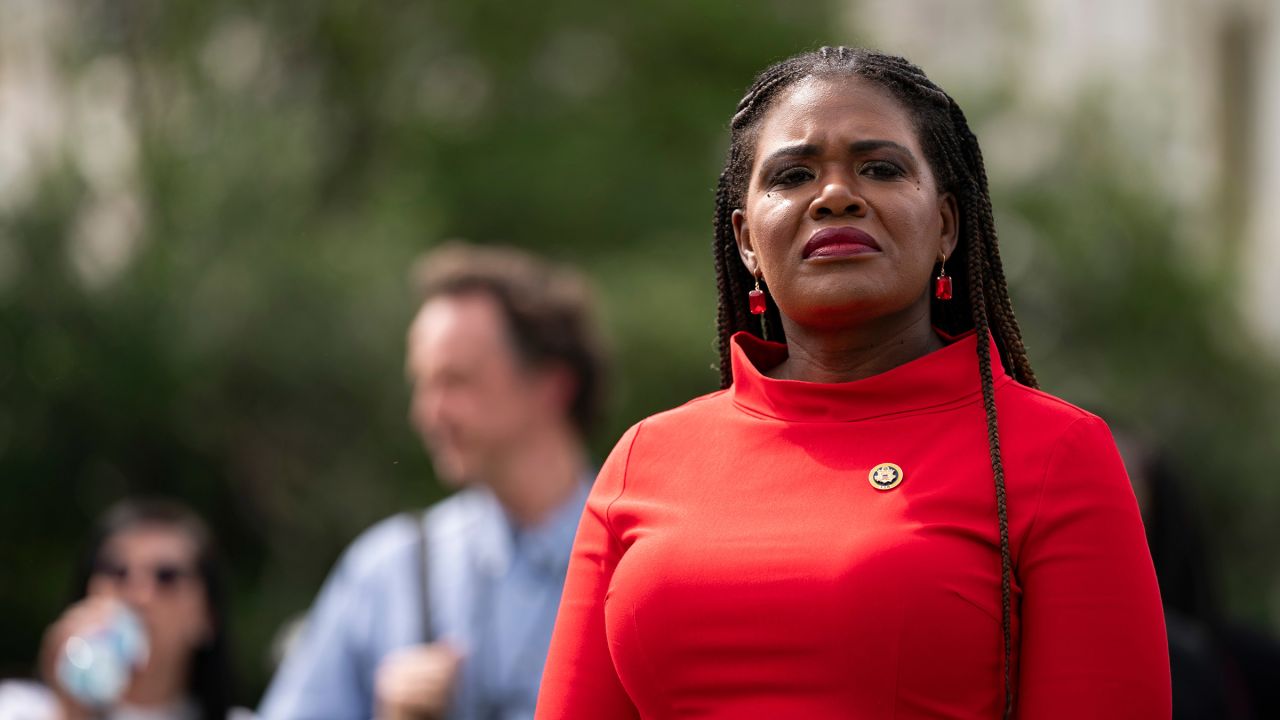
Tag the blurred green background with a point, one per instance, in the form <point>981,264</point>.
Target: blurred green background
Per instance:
<point>206,227</point>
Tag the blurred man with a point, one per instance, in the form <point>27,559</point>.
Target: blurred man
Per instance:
<point>448,614</point>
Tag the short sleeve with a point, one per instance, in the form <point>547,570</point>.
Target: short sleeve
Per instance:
<point>1093,636</point>
<point>579,680</point>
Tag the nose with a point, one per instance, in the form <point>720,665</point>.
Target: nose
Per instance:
<point>139,592</point>
<point>839,196</point>
<point>426,408</point>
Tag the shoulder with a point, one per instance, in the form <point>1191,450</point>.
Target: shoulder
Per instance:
<point>1067,455</point>
<point>378,547</point>
<point>459,513</point>
<point>397,537</point>
<point>662,432</point>
<point>697,409</point>
<point>27,700</point>
<point>386,546</point>
<point>383,551</point>
<point>685,423</point>
<point>1036,415</point>
<point>1051,446</point>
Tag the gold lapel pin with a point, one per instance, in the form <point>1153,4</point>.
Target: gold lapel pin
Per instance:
<point>885,476</point>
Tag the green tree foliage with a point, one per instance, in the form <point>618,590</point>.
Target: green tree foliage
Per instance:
<point>1126,315</point>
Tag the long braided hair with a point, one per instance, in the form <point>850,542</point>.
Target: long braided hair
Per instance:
<point>980,295</point>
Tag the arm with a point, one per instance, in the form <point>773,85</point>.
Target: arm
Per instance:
<point>579,680</point>
<point>323,675</point>
<point>1093,635</point>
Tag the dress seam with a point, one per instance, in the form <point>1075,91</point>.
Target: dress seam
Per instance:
<point>1058,445</point>
<point>626,469</point>
<point>608,524</point>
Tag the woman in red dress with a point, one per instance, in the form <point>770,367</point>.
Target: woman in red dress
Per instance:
<point>879,516</point>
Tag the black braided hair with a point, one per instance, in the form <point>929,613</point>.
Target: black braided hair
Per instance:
<point>980,299</point>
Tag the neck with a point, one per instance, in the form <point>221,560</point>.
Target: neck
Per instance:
<point>161,683</point>
<point>828,355</point>
<point>540,475</point>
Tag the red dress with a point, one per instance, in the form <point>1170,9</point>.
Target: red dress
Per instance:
<point>735,561</point>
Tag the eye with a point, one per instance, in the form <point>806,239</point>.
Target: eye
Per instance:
<point>114,570</point>
<point>881,169</point>
<point>791,176</point>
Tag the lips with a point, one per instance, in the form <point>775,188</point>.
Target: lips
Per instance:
<point>840,242</point>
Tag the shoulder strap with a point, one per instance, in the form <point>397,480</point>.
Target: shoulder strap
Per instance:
<point>424,576</point>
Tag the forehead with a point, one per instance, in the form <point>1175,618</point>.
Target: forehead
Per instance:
<point>824,110</point>
<point>150,543</point>
<point>470,325</point>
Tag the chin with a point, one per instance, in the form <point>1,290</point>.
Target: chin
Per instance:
<point>834,309</point>
<point>451,472</point>
<point>845,313</point>
<point>456,479</point>
<point>841,300</point>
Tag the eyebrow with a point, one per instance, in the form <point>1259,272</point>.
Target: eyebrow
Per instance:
<point>861,146</point>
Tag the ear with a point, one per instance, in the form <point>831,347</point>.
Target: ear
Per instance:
<point>556,386</point>
<point>207,632</point>
<point>949,214</point>
<point>742,234</point>
<point>204,632</point>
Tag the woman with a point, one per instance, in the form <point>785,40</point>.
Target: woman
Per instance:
<point>879,516</point>
<point>157,559</point>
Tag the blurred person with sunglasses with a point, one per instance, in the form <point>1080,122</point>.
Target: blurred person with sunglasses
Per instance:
<point>153,561</point>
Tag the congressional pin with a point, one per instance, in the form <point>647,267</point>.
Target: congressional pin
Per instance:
<point>885,476</point>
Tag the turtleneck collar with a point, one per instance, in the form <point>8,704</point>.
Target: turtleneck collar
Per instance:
<point>939,378</point>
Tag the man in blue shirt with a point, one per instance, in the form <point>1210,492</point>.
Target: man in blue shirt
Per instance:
<point>448,613</point>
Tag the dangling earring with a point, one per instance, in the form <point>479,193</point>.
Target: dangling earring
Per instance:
<point>755,298</point>
<point>942,284</point>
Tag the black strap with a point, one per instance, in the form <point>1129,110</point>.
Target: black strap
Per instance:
<point>424,575</point>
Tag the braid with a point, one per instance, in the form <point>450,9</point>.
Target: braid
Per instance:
<point>730,312</point>
<point>1013,352</point>
<point>981,299</point>
<point>732,278</point>
<point>997,465</point>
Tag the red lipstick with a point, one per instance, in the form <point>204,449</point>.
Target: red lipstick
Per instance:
<point>840,242</point>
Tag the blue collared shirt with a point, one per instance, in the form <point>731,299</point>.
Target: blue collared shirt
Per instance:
<point>494,591</point>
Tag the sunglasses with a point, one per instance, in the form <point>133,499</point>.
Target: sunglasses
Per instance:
<point>166,576</point>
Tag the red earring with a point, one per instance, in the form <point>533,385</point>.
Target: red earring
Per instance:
<point>942,284</point>
<point>755,298</point>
